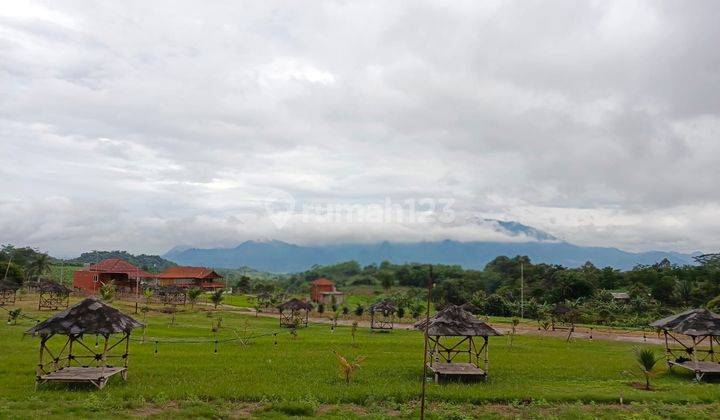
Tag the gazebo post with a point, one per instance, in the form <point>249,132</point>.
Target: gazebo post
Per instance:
<point>39,368</point>
<point>668,353</point>
<point>487,359</point>
<point>103,360</point>
<point>70,350</point>
<point>712,351</point>
<point>126,355</point>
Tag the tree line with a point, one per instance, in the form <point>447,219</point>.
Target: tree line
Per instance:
<point>654,290</point>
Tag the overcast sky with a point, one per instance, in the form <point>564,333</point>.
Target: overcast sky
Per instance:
<point>145,125</point>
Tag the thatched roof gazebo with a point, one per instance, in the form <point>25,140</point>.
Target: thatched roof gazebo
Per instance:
<point>382,314</point>
<point>451,332</point>
<point>52,296</point>
<point>294,313</point>
<point>75,361</point>
<point>8,291</point>
<point>701,326</point>
<point>172,295</point>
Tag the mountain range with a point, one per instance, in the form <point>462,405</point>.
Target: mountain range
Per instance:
<point>281,257</point>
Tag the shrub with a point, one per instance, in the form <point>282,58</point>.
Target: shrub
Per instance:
<point>293,408</point>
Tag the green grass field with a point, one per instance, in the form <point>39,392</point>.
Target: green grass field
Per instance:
<point>300,376</point>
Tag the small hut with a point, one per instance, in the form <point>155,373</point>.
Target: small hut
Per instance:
<point>76,361</point>
<point>8,291</point>
<point>52,296</point>
<point>382,315</point>
<point>452,332</point>
<point>172,295</point>
<point>696,354</point>
<point>294,313</point>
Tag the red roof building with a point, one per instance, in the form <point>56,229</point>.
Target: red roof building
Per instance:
<point>190,277</point>
<point>323,291</point>
<point>112,270</point>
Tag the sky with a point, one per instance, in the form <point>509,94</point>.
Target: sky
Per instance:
<point>144,125</point>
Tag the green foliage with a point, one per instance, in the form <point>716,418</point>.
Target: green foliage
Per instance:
<point>107,292</point>
<point>646,359</point>
<point>386,278</point>
<point>14,315</point>
<point>217,297</point>
<point>193,295</point>
<point>151,263</point>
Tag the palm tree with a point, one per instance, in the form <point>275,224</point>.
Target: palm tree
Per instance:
<point>646,360</point>
<point>217,297</point>
<point>347,368</point>
<point>39,266</point>
<point>193,295</point>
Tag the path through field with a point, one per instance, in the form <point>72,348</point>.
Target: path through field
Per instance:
<point>525,328</point>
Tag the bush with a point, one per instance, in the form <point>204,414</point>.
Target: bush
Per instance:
<point>496,305</point>
<point>293,408</point>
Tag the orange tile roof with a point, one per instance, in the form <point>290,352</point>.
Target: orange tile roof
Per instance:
<point>117,265</point>
<point>188,273</point>
<point>323,282</point>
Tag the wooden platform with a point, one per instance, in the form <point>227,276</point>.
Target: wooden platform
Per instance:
<point>699,368</point>
<point>456,371</point>
<point>94,375</point>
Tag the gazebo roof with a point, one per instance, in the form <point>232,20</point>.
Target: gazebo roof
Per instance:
<point>295,304</point>
<point>455,321</point>
<point>695,322</point>
<point>90,316</point>
<point>53,287</point>
<point>469,307</point>
<point>561,309</point>
<point>8,285</point>
<point>171,289</point>
<point>385,305</point>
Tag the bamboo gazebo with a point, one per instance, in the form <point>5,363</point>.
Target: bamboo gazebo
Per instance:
<point>8,291</point>
<point>698,355</point>
<point>172,295</point>
<point>452,332</point>
<point>294,313</point>
<point>75,360</point>
<point>382,314</point>
<point>52,296</point>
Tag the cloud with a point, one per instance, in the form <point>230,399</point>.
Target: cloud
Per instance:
<point>143,126</point>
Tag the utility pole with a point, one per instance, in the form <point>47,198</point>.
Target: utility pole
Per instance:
<point>137,288</point>
<point>7,268</point>
<point>425,354</point>
<point>522,290</point>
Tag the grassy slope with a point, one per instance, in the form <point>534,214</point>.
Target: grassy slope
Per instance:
<point>546,369</point>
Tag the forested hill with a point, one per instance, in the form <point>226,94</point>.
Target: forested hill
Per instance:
<point>152,263</point>
<point>282,257</point>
